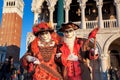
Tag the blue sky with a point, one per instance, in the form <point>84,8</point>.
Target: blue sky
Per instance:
<point>26,23</point>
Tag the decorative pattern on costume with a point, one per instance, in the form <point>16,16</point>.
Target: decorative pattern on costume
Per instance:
<point>46,52</point>
<point>50,71</point>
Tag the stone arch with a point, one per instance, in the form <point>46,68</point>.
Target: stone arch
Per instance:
<point>51,3</point>
<point>40,2</point>
<point>37,4</point>
<point>109,41</point>
<point>48,2</point>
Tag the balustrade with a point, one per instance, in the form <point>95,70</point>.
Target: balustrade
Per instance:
<point>92,24</point>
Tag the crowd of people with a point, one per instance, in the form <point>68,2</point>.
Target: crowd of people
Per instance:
<point>9,71</point>
<point>114,73</point>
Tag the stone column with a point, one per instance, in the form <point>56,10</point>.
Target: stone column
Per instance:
<point>67,8</point>
<point>51,4</point>
<point>82,4</point>
<point>36,17</point>
<point>117,5</point>
<point>99,4</point>
<point>104,66</point>
<point>51,10</point>
<point>36,9</point>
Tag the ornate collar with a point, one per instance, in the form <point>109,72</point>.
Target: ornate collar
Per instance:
<point>46,44</point>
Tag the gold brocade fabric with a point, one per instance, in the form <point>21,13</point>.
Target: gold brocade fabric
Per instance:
<point>46,52</point>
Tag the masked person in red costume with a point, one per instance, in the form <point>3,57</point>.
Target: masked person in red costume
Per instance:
<point>42,52</point>
<point>72,52</point>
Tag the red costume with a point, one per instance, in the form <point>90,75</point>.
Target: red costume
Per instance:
<point>72,67</point>
<point>44,52</point>
<point>47,69</point>
<point>73,54</point>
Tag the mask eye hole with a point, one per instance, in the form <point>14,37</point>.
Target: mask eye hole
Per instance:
<point>44,32</point>
<point>68,31</point>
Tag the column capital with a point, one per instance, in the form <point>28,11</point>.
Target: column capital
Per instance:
<point>117,2</point>
<point>67,7</point>
<point>82,6</point>
<point>82,3</point>
<point>104,56</point>
<point>99,3</point>
<point>51,3</point>
<point>51,8</point>
<point>67,4</point>
<point>36,5</point>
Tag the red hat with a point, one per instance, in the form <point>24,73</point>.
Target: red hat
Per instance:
<point>41,27</point>
<point>67,26</point>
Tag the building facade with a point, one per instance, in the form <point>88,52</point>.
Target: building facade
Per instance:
<point>88,14</point>
<point>10,30</point>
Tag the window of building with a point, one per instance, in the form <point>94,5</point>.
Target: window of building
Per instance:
<point>11,3</point>
<point>7,4</point>
<point>14,3</point>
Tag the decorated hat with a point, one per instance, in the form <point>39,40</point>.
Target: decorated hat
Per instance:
<point>67,26</point>
<point>41,27</point>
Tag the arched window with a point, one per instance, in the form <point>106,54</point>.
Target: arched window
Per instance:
<point>14,3</point>
<point>11,3</point>
<point>7,4</point>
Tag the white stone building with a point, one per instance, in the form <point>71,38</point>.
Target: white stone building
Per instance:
<point>88,14</point>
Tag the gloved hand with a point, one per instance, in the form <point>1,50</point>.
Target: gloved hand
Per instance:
<point>58,55</point>
<point>72,57</point>
<point>32,59</point>
<point>36,61</point>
